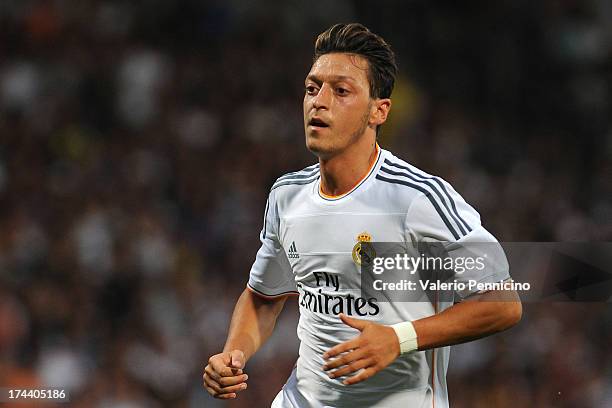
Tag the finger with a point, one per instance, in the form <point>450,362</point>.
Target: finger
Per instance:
<point>229,381</point>
<point>219,396</point>
<point>347,358</point>
<point>237,359</point>
<point>355,323</point>
<point>341,348</point>
<point>219,362</point>
<point>351,367</point>
<point>209,382</point>
<point>362,376</point>
<point>210,390</point>
<point>235,371</point>
<point>208,370</point>
<point>224,381</point>
<point>224,390</point>
<point>220,366</point>
<point>226,396</point>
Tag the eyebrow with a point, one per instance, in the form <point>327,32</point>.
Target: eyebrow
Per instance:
<point>331,78</point>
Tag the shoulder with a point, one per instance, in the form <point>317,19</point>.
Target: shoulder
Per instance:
<point>431,197</point>
<point>407,178</point>
<point>297,178</point>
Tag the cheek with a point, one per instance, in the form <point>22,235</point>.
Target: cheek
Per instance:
<point>307,103</point>
<point>354,117</point>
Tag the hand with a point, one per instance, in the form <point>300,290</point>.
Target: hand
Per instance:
<point>373,350</point>
<point>223,377</point>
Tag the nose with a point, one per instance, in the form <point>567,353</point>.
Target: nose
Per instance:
<point>323,98</point>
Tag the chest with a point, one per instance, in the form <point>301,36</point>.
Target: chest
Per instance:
<point>325,248</point>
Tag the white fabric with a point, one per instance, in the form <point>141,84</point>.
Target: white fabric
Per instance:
<point>407,336</point>
<point>307,247</point>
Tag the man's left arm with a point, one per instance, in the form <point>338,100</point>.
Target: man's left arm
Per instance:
<point>477,315</point>
<point>378,345</point>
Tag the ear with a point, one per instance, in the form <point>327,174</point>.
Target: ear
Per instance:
<point>380,111</point>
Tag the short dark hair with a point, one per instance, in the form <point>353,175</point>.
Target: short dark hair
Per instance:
<point>354,38</point>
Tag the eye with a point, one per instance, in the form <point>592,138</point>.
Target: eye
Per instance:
<point>311,89</point>
<point>342,91</point>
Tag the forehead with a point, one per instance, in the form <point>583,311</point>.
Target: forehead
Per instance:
<point>340,65</point>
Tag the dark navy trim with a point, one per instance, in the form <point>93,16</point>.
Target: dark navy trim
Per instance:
<point>429,196</point>
<point>290,292</point>
<point>266,217</point>
<point>437,180</point>
<point>433,188</point>
<point>296,182</point>
<point>297,176</point>
<point>308,171</point>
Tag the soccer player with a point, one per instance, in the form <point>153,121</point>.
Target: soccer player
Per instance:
<point>357,351</point>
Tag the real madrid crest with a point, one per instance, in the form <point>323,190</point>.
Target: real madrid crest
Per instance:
<point>363,251</point>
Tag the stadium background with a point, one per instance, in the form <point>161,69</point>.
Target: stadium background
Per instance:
<point>139,140</point>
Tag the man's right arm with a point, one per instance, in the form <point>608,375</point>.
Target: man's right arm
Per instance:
<point>252,324</point>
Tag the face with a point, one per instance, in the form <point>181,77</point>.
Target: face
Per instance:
<point>338,109</point>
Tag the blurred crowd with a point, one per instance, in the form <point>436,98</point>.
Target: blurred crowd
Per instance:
<point>138,141</point>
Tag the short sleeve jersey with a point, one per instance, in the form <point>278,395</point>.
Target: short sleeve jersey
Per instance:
<point>307,249</point>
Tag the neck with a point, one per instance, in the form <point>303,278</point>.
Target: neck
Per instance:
<point>342,172</point>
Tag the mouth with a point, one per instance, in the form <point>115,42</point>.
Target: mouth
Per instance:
<point>317,123</point>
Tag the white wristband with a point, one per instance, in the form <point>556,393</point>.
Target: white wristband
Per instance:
<point>407,337</point>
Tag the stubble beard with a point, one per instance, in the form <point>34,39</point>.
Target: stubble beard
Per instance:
<point>326,152</point>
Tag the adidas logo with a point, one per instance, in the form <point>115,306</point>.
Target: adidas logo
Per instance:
<point>293,253</point>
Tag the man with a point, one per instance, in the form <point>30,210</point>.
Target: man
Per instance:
<point>395,354</point>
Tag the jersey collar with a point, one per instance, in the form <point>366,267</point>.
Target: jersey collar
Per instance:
<point>357,185</point>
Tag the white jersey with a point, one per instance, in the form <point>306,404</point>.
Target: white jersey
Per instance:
<point>307,249</point>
